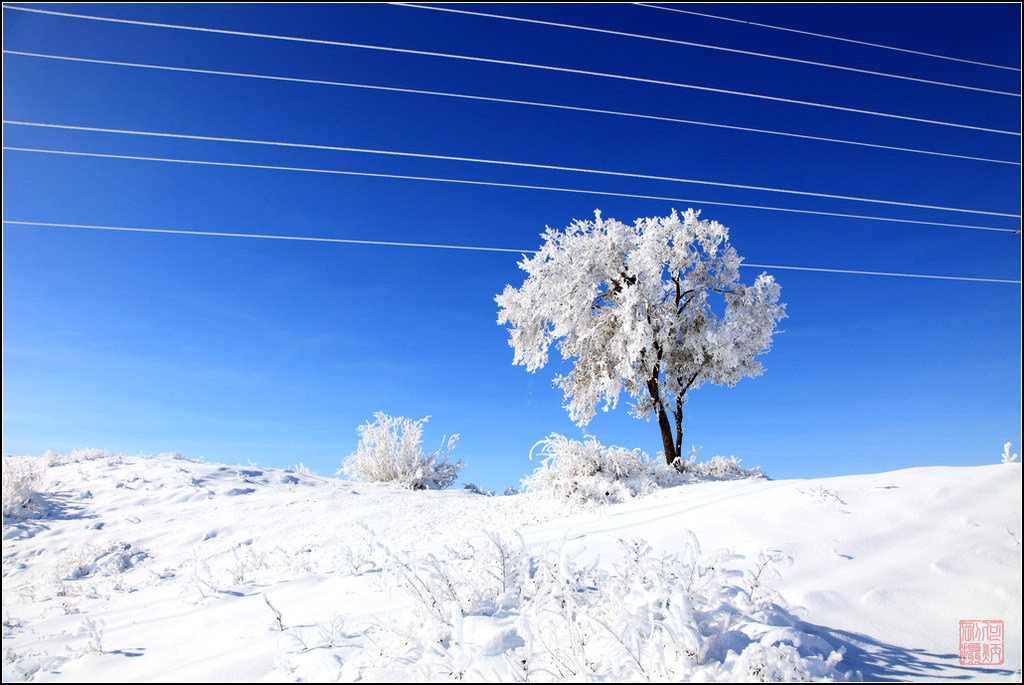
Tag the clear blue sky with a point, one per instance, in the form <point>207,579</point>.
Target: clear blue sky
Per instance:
<point>239,349</point>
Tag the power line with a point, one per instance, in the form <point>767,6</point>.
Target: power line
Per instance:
<point>354,241</point>
<point>503,185</point>
<point>879,273</point>
<point>506,163</point>
<point>685,43</point>
<point>527,65</point>
<point>483,98</point>
<point>824,35</point>
<point>219,234</point>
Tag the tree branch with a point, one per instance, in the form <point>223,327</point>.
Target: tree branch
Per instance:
<point>614,289</point>
<point>678,411</point>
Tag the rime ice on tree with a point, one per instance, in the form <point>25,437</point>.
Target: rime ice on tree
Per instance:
<point>655,309</point>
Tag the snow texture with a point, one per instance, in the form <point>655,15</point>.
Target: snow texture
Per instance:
<point>135,568</point>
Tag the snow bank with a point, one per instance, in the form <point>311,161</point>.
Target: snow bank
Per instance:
<point>163,568</point>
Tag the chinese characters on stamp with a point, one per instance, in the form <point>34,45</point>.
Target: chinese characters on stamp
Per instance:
<point>981,643</point>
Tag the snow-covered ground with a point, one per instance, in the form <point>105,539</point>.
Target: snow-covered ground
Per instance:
<point>167,569</point>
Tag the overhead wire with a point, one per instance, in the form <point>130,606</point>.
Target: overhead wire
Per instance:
<point>685,43</point>
<point>447,157</point>
<point>830,37</point>
<point>484,98</point>
<point>529,165</point>
<point>477,248</point>
<point>227,234</point>
<point>472,247</point>
<point>512,63</point>
<point>503,185</point>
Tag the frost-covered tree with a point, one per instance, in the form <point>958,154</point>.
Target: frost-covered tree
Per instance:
<point>655,309</point>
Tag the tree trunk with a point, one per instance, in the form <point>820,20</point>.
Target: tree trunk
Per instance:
<point>671,452</point>
<point>679,424</point>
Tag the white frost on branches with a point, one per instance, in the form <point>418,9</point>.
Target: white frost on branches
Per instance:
<point>654,309</point>
<point>390,451</point>
<point>21,481</point>
<point>589,473</point>
<point>496,612</point>
<point>1007,458</point>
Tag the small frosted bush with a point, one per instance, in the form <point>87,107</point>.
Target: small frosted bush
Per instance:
<point>477,490</point>
<point>78,455</point>
<point>90,454</point>
<point>589,472</point>
<point>390,451</point>
<point>1007,457</point>
<point>21,481</point>
<point>719,467</point>
<point>552,616</point>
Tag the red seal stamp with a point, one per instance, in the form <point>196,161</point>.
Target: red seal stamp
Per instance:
<point>981,643</point>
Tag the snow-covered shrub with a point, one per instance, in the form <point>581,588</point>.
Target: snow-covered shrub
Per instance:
<point>21,480</point>
<point>300,468</point>
<point>475,579</point>
<point>102,560</point>
<point>51,458</point>
<point>589,472</point>
<point>725,468</point>
<point>663,617</point>
<point>362,553</point>
<point>90,454</point>
<point>81,454</point>
<point>390,451</point>
<point>497,612</point>
<point>1007,457</point>
<point>177,456</point>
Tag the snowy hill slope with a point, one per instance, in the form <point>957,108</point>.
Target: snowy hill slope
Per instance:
<point>163,568</point>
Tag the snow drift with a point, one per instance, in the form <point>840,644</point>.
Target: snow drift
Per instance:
<point>138,568</point>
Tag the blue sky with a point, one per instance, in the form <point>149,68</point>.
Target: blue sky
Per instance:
<point>270,351</point>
